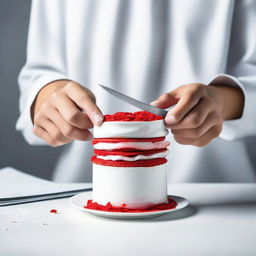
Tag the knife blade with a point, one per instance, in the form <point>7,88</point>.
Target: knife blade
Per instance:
<point>42,197</point>
<point>134,102</point>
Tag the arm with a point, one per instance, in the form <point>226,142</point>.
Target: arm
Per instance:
<point>200,111</point>
<point>47,94</point>
<point>235,91</point>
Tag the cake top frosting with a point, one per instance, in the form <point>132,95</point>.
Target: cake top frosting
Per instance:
<point>129,117</point>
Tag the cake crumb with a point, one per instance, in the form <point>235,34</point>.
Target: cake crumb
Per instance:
<point>53,211</point>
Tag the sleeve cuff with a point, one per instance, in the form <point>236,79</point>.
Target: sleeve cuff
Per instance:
<point>246,125</point>
<point>24,123</point>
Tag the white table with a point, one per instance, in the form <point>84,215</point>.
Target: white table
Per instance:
<point>221,220</point>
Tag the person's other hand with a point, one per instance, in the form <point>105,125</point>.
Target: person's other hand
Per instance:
<point>200,111</point>
<point>64,111</point>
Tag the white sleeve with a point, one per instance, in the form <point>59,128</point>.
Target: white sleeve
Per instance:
<point>45,59</point>
<point>241,69</point>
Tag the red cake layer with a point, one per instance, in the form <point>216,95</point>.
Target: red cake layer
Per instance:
<point>110,208</point>
<point>128,153</point>
<point>126,150</point>
<point>138,163</point>
<point>128,116</point>
<point>116,140</point>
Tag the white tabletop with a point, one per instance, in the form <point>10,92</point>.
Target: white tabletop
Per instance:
<point>221,220</point>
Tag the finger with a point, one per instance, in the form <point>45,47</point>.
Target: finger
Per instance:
<point>195,133</point>
<point>44,135</point>
<point>187,101</point>
<point>53,131</point>
<point>195,117</point>
<point>212,133</point>
<point>85,101</point>
<point>68,130</point>
<point>165,100</point>
<point>70,112</point>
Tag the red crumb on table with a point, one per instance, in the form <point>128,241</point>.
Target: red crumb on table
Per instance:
<point>136,116</point>
<point>110,208</point>
<point>53,211</point>
<point>138,163</point>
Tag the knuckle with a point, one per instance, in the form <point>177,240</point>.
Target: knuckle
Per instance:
<point>53,142</point>
<point>216,116</point>
<point>196,120</point>
<point>197,132</point>
<point>44,105</point>
<point>216,131</point>
<point>70,86</point>
<point>68,131</point>
<point>54,96</point>
<point>91,95</point>
<point>73,116</point>
<point>85,98</point>
<point>89,136</point>
<point>191,97</point>
<point>164,97</point>
<point>198,91</point>
<point>58,136</point>
<point>36,130</point>
<point>200,88</point>
<point>209,102</point>
<point>37,118</point>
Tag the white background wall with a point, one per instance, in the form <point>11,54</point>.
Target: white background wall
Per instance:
<point>14,151</point>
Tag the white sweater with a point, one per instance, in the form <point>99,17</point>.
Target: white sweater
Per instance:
<point>145,48</point>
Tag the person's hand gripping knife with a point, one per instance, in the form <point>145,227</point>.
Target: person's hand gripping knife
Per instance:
<point>64,111</point>
<point>200,111</point>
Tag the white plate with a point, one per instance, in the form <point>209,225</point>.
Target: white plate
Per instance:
<point>78,201</point>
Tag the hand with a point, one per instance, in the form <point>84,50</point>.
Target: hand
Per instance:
<point>200,111</point>
<point>64,111</point>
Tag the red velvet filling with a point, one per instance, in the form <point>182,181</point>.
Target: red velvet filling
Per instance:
<point>110,208</point>
<point>125,150</point>
<point>138,163</point>
<point>136,116</point>
<point>116,140</point>
<point>128,153</point>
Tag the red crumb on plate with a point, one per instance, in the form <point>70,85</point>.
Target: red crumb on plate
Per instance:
<point>53,211</point>
<point>151,208</point>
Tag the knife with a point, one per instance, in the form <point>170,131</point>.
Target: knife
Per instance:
<point>40,197</point>
<point>135,103</point>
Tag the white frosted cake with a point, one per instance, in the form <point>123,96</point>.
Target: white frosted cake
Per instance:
<point>129,162</point>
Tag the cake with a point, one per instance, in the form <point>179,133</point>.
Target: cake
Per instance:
<point>129,163</point>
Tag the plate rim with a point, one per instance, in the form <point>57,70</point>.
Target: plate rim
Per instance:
<point>180,206</point>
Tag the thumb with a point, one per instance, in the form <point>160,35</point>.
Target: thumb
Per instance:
<point>165,100</point>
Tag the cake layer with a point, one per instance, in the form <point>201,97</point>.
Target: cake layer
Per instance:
<point>138,163</point>
<point>133,158</point>
<point>116,140</point>
<point>132,145</point>
<point>135,116</point>
<point>128,153</point>
<point>133,186</point>
<point>142,129</point>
